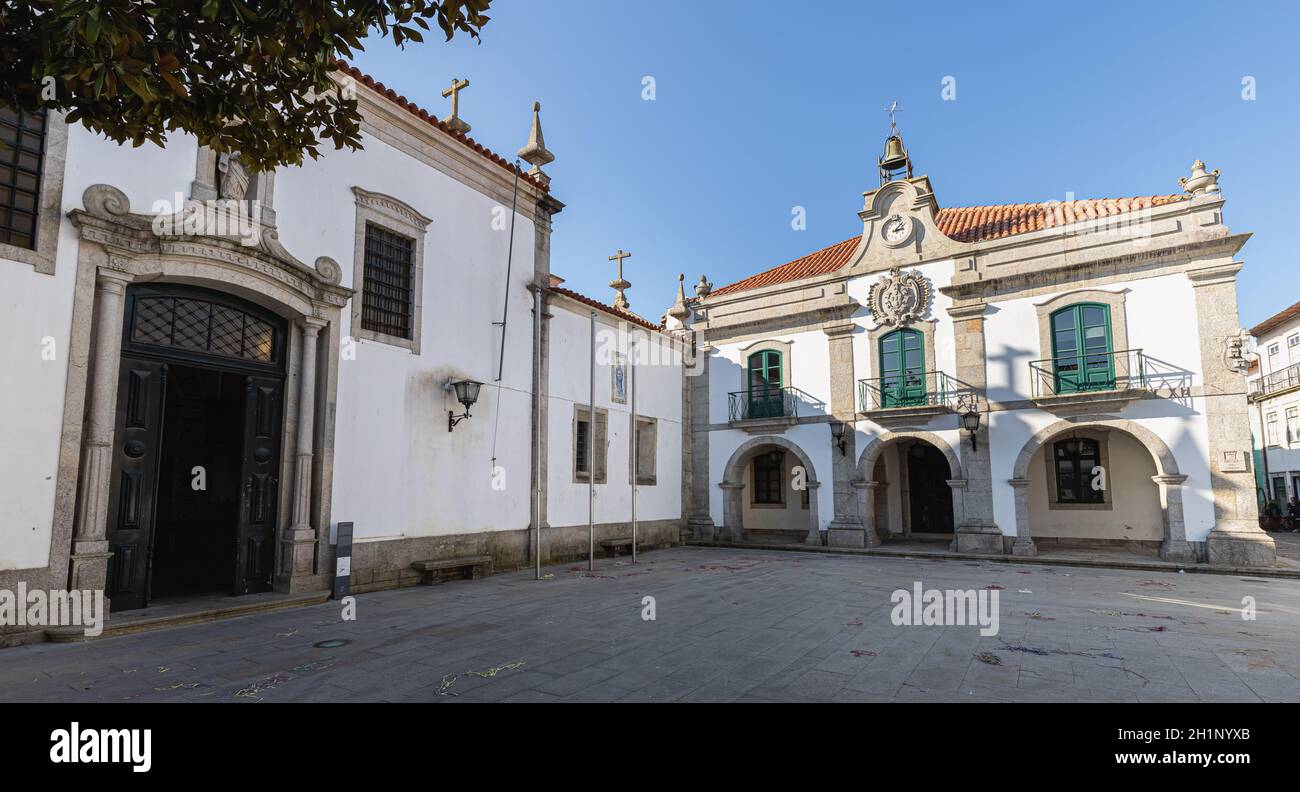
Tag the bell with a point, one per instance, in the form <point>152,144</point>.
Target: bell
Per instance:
<point>895,156</point>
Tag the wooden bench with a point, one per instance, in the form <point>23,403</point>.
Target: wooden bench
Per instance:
<point>613,547</point>
<point>474,567</point>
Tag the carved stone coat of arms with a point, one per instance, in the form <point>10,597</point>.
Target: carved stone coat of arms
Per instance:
<point>900,298</point>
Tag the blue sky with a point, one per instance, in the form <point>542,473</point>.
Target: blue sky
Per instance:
<point>763,106</point>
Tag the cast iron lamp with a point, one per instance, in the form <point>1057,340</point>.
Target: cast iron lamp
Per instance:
<point>970,421</point>
<point>466,394</point>
<point>837,432</point>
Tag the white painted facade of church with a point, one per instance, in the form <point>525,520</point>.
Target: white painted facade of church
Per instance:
<point>360,420</point>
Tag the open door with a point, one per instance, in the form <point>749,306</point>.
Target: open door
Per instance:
<point>141,396</point>
<point>255,535</point>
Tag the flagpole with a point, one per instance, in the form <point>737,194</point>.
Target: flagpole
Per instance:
<point>591,456</point>
<point>631,364</point>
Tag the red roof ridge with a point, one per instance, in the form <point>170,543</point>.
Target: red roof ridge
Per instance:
<point>609,309</point>
<point>967,224</point>
<point>432,120</point>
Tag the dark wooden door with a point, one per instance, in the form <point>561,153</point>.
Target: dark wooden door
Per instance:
<point>255,535</point>
<point>141,400</point>
<point>930,495</point>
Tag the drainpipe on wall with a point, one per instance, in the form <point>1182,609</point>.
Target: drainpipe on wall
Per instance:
<point>1263,456</point>
<point>591,457</point>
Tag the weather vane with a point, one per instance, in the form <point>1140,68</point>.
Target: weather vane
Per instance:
<point>893,111</point>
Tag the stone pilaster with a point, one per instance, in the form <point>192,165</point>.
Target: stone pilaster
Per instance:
<point>976,530</point>
<point>1023,544</point>
<point>866,495</point>
<point>1175,546</point>
<point>697,381</point>
<point>1236,539</point>
<point>731,518</point>
<point>298,545</point>
<point>90,553</point>
<point>846,528</point>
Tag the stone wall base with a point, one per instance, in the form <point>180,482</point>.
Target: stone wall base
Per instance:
<point>377,566</point>
<point>982,538</point>
<point>1240,549</point>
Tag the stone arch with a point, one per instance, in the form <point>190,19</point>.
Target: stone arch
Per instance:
<point>866,487</point>
<point>733,485</point>
<point>118,248</point>
<point>1168,478</point>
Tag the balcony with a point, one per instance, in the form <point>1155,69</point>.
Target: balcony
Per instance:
<point>1280,381</point>
<point>1090,381</point>
<point>911,397</point>
<point>766,409</point>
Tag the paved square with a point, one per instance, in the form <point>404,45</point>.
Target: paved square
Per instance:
<point>731,625</point>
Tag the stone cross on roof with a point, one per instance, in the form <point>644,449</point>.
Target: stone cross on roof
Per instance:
<point>618,285</point>
<point>454,120</point>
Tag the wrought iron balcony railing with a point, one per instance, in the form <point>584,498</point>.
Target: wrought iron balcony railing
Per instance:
<point>759,403</point>
<point>1089,372</point>
<point>1276,382</point>
<point>911,389</point>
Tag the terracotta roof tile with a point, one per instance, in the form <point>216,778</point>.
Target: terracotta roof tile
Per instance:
<point>432,120</point>
<point>982,223</point>
<point>1275,321</point>
<point>609,309</point>
<point>963,224</point>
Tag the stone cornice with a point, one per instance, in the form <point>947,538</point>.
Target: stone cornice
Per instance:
<point>1126,263</point>
<point>414,136</point>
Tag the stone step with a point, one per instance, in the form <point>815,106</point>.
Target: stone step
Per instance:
<point>181,613</point>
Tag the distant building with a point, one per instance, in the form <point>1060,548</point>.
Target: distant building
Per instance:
<point>1274,388</point>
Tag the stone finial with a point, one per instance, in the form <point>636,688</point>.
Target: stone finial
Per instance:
<point>679,311</point>
<point>536,153</point>
<point>619,285</point>
<point>454,120</point>
<point>703,288</point>
<point>1200,182</point>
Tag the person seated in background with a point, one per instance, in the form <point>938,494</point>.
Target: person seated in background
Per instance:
<point>1272,516</point>
<point>1293,514</point>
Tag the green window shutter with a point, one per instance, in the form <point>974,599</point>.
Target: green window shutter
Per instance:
<point>902,369</point>
<point>1082,353</point>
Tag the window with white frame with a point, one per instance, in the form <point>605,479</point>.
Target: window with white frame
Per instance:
<point>1271,430</point>
<point>1292,425</point>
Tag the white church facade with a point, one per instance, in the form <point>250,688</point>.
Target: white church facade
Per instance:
<point>211,368</point>
<point>220,366</point>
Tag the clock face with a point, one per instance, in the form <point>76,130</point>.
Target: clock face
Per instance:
<point>896,229</point>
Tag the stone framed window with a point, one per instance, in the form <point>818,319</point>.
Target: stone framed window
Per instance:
<point>388,271</point>
<point>645,460</point>
<point>1071,465</point>
<point>585,435</point>
<point>33,147</point>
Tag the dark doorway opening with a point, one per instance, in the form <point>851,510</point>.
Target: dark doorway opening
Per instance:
<point>930,497</point>
<point>198,482</point>
<point>193,501</point>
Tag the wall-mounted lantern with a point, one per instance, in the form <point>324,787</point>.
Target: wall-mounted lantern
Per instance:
<point>466,394</point>
<point>838,429</point>
<point>970,421</point>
